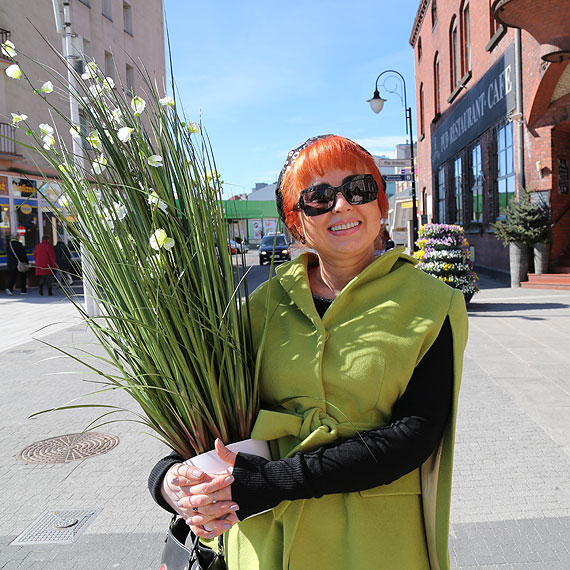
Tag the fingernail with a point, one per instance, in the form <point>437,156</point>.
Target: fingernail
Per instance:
<point>229,479</point>
<point>175,481</point>
<point>227,526</point>
<point>234,508</point>
<point>180,504</point>
<point>197,473</point>
<point>211,535</point>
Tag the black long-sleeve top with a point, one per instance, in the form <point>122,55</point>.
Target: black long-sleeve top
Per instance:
<point>372,458</point>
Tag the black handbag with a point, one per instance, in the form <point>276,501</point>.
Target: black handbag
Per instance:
<point>177,556</point>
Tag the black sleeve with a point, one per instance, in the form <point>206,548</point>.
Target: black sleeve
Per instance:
<point>375,457</point>
<point>157,476</point>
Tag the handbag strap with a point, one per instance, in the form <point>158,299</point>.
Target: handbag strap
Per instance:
<point>196,539</point>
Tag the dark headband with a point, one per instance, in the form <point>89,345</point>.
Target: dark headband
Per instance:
<point>291,157</point>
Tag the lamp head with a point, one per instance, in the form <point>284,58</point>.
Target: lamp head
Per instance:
<point>376,103</point>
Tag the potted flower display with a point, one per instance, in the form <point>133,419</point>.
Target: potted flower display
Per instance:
<point>526,225</point>
<point>444,253</point>
<point>173,309</point>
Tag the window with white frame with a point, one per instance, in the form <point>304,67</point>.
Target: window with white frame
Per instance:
<point>108,9</point>
<point>109,65</point>
<point>476,183</point>
<point>505,166</point>
<point>127,18</point>
<point>441,195</point>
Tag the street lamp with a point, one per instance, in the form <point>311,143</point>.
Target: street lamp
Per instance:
<point>376,104</point>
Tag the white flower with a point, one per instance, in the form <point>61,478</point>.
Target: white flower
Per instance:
<point>108,83</point>
<point>117,116</point>
<point>166,101</point>
<point>47,87</point>
<point>124,134</point>
<point>9,49</point>
<point>120,210</point>
<point>95,90</point>
<point>99,165</point>
<point>49,141</point>
<point>154,160</point>
<point>46,129</point>
<point>137,105</point>
<point>14,71</point>
<point>193,127</point>
<point>16,118</point>
<point>74,132</point>
<point>94,140</point>
<point>92,69</point>
<point>159,240</point>
<point>154,200</point>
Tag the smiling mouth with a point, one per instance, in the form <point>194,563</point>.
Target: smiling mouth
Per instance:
<point>340,227</point>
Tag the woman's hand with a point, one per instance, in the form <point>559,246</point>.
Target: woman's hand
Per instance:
<point>204,499</point>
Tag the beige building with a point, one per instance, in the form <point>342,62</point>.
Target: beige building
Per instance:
<point>117,34</point>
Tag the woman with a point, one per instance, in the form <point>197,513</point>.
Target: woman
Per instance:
<point>16,253</point>
<point>46,264</point>
<point>359,380</point>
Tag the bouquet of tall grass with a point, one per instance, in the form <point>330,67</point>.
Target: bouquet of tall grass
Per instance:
<point>149,219</point>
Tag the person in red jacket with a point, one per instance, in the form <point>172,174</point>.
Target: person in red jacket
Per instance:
<point>46,264</point>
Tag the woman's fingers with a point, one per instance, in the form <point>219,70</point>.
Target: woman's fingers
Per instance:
<point>224,453</point>
<point>218,523</point>
<point>218,483</point>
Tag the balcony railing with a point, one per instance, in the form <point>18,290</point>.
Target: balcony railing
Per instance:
<point>4,35</point>
<point>7,138</point>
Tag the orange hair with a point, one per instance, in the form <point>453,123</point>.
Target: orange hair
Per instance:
<point>330,153</point>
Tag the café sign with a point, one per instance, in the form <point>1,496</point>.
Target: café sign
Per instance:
<point>489,100</point>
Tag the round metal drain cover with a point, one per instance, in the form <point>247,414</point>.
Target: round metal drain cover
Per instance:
<point>65,448</point>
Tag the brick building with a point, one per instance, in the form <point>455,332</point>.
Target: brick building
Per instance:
<point>493,107</point>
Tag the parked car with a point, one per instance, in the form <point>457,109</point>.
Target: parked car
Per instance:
<point>236,247</point>
<point>276,243</point>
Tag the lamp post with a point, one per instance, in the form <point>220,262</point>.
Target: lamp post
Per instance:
<point>376,104</point>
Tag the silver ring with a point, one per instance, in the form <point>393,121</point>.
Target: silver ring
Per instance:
<point>207,529</point>
<point>213,498</point>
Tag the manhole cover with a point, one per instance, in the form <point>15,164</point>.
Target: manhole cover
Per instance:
<point>56,527</point>
<point>72,447</point>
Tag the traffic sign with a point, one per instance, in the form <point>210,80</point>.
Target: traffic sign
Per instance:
<point>397,177</point>
<point>399,162</point>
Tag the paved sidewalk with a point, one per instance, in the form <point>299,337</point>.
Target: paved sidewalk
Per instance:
<point>511,495</point>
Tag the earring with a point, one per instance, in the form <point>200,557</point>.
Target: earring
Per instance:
<point>303,239</point>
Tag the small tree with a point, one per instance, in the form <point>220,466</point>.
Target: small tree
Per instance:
<point>444,253</point>
<point>525,221</point>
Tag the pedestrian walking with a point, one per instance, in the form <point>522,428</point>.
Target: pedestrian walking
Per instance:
<point>359,378</point>
<point>18,266</point>
<point>63,259</point>
<point>46,264</point>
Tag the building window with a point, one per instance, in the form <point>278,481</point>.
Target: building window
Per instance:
<point>127,18</point>
<point>436,83</point>
<point>465,40</point>
<point>422,130</point>
<point>130,73</point>
<point>476,184</point>
<point>86,2</point>
<point>457,214</point>
<point>441,195</point>
<point>109,65</point>
<point>505,166</point>
<point>433,13</point>
<point>107,9</point>
<point>419,49</point>
<point>454,54</point>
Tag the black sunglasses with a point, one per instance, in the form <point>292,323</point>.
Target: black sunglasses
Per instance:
<point>358,189</point>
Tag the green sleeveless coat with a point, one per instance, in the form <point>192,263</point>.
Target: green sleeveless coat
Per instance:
<point>322,379</point>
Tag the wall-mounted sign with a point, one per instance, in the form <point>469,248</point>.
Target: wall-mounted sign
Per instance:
<point>26,209</point>
<point>489,100</point>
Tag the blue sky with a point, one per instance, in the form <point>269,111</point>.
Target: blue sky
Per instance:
<point>265,76</point>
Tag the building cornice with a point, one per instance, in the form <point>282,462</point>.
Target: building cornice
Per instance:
<point>420,15</point>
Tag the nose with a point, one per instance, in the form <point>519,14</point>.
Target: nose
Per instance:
<point>341,204</point>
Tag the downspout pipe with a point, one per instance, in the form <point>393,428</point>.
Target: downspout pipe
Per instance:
<point>519,111</point>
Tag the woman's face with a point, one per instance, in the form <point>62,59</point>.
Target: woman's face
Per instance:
<point>346,230</point>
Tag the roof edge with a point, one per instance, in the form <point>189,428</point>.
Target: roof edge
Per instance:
<point>422,9</point>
